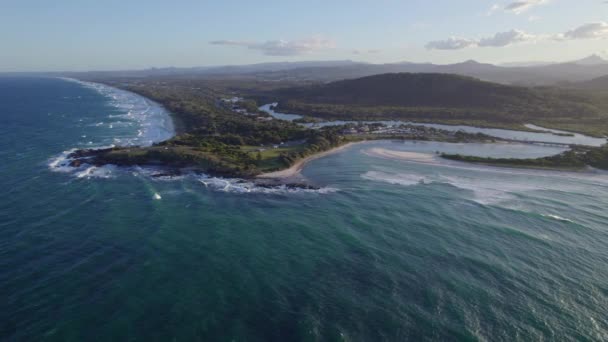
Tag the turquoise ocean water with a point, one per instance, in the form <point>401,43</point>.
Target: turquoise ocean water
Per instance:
<point>395,246</point>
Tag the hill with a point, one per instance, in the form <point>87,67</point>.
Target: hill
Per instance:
<point>446,98</point>
<point>535,75</point>
<point>596,84</point>
<point>591,60</point>
<point>412,90</point>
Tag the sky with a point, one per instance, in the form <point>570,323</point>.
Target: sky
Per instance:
<point>77,35</point>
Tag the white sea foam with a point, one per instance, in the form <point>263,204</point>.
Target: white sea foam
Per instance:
<point>485,191</point>
<point>406,179</point>
<point>220,184</point>
<point>556,217</point>
<point>236,185</point>
<point>61,163</point>
<point>154,121</point>
<point>106,171</point>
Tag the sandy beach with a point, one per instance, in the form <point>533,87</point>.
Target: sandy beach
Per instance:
<point>295,169</point>
<point>402,155</point>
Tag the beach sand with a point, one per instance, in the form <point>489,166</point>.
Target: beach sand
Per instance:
<point>293,173</point>
<point>402,155</point>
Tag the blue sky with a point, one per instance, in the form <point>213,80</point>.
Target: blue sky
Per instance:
<point>111,34</point>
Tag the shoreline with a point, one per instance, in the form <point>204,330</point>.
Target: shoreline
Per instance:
<point>291,174</point>
<point>177,126</point>
<point>294,171</point>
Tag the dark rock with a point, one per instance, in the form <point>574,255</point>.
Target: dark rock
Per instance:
<point>76,163</point>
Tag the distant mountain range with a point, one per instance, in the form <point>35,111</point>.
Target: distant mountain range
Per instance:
<point>527,73</point>
<point>544,74</point>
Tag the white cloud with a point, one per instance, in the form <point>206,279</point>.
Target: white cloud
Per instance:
<point>283,47</point>
<point>452,43</point>
<point>368,51</point>
<point>597,30</point>
<point>587,31</point>
<point>506,38</point>
<point>521,6</point>
<point>498,40</point>
<point>493,9</point>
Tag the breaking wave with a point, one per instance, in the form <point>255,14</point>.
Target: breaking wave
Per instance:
<point>153,122</point>
<point>62,162</point>
<point>556,217</point>
<point>228,185</point>
<point>484,191</point>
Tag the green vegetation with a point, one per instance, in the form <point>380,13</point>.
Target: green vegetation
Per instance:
<point>577,158</point>
<point>450,99</point>
<point>215,139</point>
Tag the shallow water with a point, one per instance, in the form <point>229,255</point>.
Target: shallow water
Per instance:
<point>393,250</point>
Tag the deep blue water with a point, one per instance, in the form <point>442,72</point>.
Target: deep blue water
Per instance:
<point>395,247</point>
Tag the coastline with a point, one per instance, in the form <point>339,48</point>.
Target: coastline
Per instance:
<point>178,157</point>
<point>176,127</point>
<point>293,171</point>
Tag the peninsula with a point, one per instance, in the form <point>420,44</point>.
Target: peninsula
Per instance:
<point>222,132</point>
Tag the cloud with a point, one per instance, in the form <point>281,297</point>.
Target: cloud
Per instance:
<point>587,31</point>
<point>596,30</point>
<point>498,40</point>
<point>493,9</point>
<point>282,47</point>
<point>452,43</point>
<point>230,42</point>
<point>363,52</point>
<point>521,6</point>
<point>506,38</point>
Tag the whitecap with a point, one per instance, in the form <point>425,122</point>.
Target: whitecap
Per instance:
<point>241,186</point>
<point>406,179</point>
<point>484,191</point>
<point>556,217</point>
<point>61,163</point>
<point>227,185</point>
<point>106,171</point>
<point>155,124</point>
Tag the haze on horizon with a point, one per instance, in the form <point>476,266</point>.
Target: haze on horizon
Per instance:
<point>69,35</point>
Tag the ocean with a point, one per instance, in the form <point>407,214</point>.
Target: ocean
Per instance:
<point>396,245</point>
